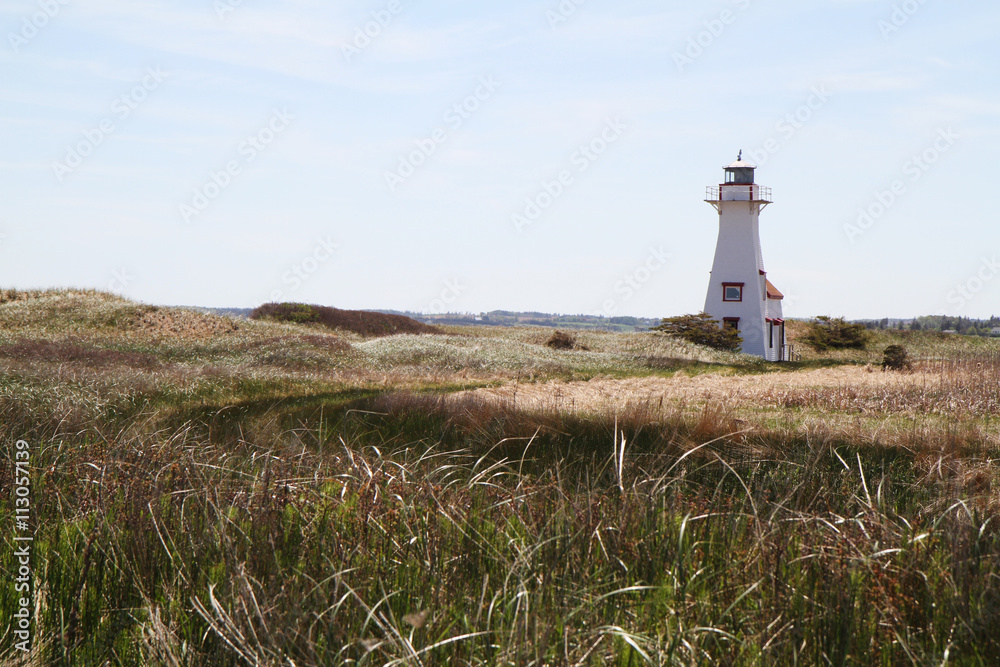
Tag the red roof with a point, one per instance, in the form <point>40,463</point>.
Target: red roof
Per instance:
<point>772,291</point>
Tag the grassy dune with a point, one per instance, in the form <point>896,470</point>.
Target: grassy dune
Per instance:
<point>218,492</point>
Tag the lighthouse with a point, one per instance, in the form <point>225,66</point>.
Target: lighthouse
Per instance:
<point>739,293</point>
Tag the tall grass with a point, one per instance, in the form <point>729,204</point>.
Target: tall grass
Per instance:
<point>405,530</point>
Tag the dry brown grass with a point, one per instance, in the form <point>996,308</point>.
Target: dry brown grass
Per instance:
<point>82,353</point>
<point>602,393</point>
<point>942,407</point>
<point>72,351</point>
<point>181,324</point>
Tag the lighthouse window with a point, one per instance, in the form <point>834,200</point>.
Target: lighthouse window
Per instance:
<point>732,291</point>
<point>731,323</point>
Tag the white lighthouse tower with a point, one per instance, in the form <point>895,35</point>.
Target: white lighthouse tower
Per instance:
<point>739,293</point>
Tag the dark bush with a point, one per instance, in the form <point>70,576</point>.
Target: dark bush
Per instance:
<point>826,333</point>
<point>561,340</point>
<point>896,358</point>
<point>702,329</point>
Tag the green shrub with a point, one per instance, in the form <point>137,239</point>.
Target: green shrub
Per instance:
<point>836,333</point>
<point>896,358</point>
<point>702,329</point>
<point>299,313</point>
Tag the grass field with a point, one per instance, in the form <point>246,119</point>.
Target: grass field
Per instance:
<point>207,491</point>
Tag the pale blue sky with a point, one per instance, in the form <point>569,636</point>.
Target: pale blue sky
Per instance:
<point>886,80</point>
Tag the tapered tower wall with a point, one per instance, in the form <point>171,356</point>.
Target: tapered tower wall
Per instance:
<point>738,267</point>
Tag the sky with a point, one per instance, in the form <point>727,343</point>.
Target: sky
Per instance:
<point>547,155</point>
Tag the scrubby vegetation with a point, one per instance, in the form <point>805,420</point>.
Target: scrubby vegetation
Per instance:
<point>363,323</point>
<point>826,333</point>
<point>560,340</point>
<point>896,358</point>
<point>702,329</point>
<point>211,492</point>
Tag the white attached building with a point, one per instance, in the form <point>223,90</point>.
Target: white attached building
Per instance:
<point>739,293</point>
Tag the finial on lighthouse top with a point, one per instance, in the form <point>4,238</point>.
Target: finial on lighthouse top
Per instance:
<point>740,172</point>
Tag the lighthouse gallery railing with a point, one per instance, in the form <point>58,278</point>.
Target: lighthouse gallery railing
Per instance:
<point>738,193</point>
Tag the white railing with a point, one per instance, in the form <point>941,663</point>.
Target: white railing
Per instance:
<point>734,192</point>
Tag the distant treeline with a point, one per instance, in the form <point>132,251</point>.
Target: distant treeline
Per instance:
<point>963,325</point>
<point>507,318</point>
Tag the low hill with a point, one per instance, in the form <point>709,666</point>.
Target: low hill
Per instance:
<point>361,322</point>
<point>85,312</point>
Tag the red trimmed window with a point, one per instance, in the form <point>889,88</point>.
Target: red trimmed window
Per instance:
<point>732,291</point>
<point>731,323</point>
